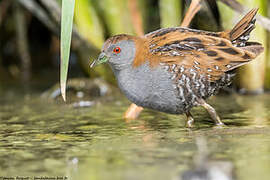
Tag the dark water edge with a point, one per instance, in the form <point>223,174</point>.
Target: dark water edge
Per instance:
<point>40,137</point>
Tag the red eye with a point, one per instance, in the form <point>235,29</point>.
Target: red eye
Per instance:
<point>117,50</point>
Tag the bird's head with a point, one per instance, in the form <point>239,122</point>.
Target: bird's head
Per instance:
<point>119,51</point>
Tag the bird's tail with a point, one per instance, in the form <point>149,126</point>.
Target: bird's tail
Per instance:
<point>239,35</point>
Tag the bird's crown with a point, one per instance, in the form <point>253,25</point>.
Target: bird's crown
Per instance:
<point>117,38</point>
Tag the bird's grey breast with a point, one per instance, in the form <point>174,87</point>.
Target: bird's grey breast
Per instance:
<point>149,87</point>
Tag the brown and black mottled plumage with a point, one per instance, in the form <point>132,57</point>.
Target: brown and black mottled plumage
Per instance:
<point>210,53</point>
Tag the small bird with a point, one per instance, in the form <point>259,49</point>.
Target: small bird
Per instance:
<point>174,69</point>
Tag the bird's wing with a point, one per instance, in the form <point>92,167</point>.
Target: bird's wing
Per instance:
<point>210,53</point>
<point>204,52</point>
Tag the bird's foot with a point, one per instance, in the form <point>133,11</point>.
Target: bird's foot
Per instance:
<point>220,126</point>
<point>213,114</point>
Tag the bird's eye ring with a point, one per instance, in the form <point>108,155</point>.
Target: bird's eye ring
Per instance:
<point>117,50</point>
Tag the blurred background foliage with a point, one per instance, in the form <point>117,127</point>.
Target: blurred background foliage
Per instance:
<point>29,34</point>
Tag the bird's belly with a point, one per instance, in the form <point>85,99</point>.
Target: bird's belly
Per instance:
<point>151,88</point>
<point>160,101</point>
<point>161,96</point>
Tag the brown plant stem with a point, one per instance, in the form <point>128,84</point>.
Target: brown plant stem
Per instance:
<point>22,42</point>
<point>136,17</point>
<point>191,12</point>
<point>4,5</point>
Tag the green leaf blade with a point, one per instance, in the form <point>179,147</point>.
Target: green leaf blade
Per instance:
<point>66,32</point>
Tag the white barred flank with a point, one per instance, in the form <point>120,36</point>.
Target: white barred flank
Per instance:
<point>190,85</point>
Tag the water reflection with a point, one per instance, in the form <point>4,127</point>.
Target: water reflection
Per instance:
<point>256,109</point>
<point>206,169</point>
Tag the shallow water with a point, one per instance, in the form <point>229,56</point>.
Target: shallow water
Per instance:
<point>44,138</point>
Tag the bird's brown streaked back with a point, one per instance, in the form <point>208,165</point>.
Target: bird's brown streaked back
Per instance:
<point>210,53</point>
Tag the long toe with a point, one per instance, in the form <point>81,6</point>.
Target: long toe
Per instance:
<point>190,120</point>
<point>220,126</point>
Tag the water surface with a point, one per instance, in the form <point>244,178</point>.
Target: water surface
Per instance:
<point>39,137</point>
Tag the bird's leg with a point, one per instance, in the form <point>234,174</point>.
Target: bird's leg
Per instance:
<point>212,112</point>
<point>190,120</point>
<point>133,112</point>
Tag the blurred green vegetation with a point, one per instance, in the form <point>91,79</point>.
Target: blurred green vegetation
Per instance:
<point>267,63</point>
<point>88,22</point>
<point>96,20</point>
<point>116,16</point>
<point>170,13</point>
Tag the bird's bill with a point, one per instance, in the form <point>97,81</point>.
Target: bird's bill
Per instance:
<point>102,58</point>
